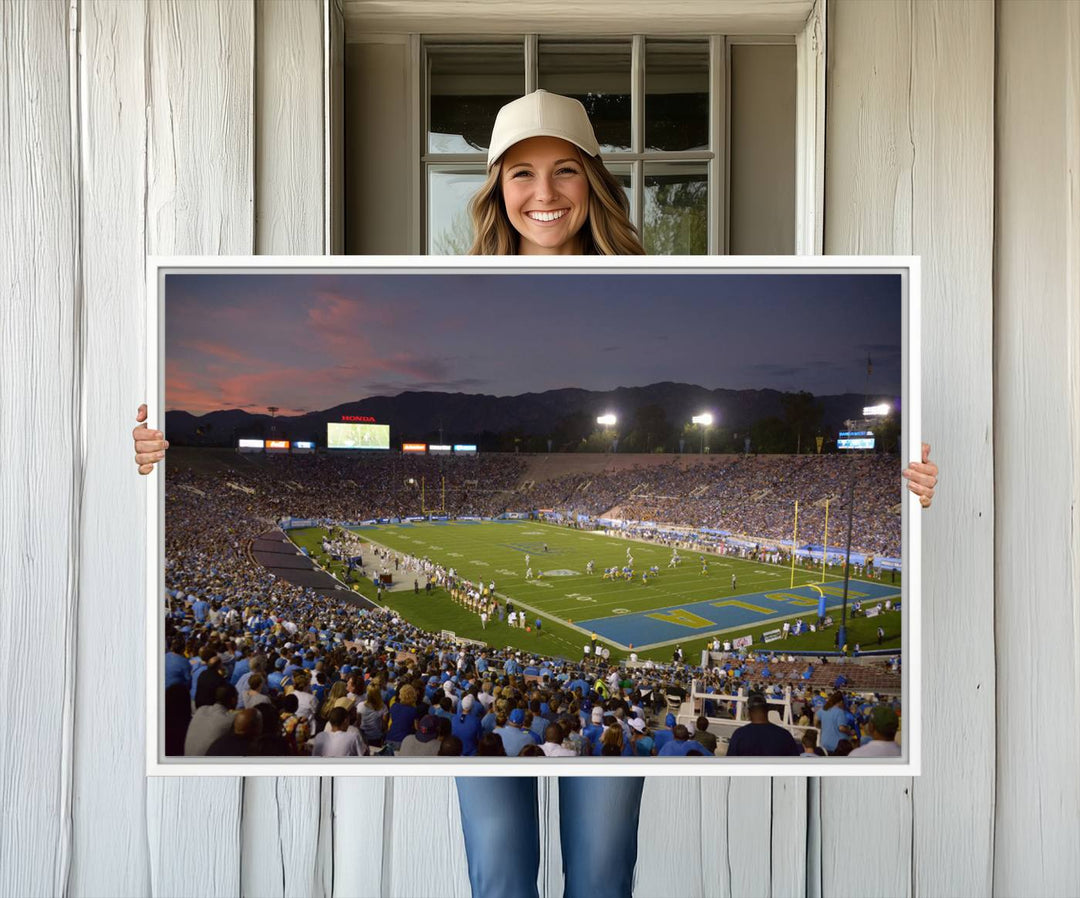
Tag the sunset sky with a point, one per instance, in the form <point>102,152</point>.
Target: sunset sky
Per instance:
<point>305,342</point>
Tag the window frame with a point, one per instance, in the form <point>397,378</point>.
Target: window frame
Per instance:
<point>809,110</point>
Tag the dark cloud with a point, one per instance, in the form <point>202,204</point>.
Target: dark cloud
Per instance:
<point>393,388</point>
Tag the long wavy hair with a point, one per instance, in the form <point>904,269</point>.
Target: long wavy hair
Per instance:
<point>337,691</point>
<point>607,231</point>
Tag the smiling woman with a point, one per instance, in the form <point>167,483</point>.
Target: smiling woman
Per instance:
<point>546,195</point>
<point>547,190</point>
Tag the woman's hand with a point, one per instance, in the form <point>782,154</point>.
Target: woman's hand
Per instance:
<point>150,445</point>
<point>922,477</point>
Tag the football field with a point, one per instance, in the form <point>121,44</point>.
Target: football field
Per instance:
<point>676,605</point>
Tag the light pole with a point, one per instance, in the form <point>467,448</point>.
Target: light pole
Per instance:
<point>609,420</point>
<point>705,419</point>
<point>859,436</point>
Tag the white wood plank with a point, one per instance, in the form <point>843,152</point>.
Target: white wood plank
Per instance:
<point>40,317</point>
<point>715,861</point>
<point>789,815</point>
<point>953,230</point>
<point>671,840</point>
<point>289,132</point>
<point>870,854</point>
<point>551,876</point>
<point>868,152</point>
<point>1036,448</point>
<point>423,845</point>
<point>324,850</point>
<point>199,200</point>
<point>201,182</point>
<point>750,821</point>
<point>193,827</point>
<point>360,822</point>
<point>910,155</point>
<point>280,837</point>
<point>813,837</point>
<point>752,833</point>
<point>110,781</point>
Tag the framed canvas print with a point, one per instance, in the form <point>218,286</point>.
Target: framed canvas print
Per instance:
<point>506,516</point>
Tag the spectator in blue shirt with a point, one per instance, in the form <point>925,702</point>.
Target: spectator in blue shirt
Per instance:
<point>514,738</point>
<point>832,721</point>
<point>679,744</point>
<point>177,667</point>
<point>403,714</point>
<point>466,725</point>
<point>664,736</point>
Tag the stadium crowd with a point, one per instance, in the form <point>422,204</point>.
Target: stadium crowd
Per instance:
<point>751,495</point>
<point>258,666</point>
<point>748,495</point>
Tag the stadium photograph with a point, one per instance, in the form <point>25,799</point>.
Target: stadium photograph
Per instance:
<point>583,515</point>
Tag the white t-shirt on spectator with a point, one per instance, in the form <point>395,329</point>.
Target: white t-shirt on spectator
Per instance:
<point>305,704</point>
<point>552,750</point>
<point>336,744</point>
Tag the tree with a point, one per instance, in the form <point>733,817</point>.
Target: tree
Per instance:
<point>887,434</point>
<point>676,217</point>
<point>649,430</point>
<point>802,414</point>
<point>456,239</point>
<point>772,435</point>
<point>571,430</point>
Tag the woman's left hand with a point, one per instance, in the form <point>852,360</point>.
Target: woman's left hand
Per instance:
<point>922,477</point>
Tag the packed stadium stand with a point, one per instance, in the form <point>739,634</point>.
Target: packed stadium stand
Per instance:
<point>256,665</point>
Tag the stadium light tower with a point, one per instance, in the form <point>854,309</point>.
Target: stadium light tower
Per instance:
<point>859,436</point>
<point>705,419</point>
<point>609,420</point>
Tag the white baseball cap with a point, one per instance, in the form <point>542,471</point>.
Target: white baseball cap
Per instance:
<point>541,114</point>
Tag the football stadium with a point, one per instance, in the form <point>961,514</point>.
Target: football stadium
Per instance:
<point>538,514</point>
<point>657,582</point>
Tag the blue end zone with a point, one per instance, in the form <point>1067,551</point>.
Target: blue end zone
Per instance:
<point>643,628</point>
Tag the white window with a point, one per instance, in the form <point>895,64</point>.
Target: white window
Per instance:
<point>716,133</point>
<point>701,131</point>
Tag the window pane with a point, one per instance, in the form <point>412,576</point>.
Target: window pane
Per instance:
<point>597,74</point>
<point>467,85</point>
<point>676,95</point>
<point>623,174</point>
<point>676,209</point>
<point>449,192</point>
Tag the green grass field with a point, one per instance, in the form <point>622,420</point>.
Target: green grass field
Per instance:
<point>496,551</point>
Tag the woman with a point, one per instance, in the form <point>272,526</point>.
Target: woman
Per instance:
<point>403,717</point>
<point>547,193</point>
<point>338,690</point>
<point>611,743</point>
<point>373,716</point>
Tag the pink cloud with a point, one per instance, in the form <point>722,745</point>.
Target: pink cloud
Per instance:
<point>344,325</point>
<point>221,351</point>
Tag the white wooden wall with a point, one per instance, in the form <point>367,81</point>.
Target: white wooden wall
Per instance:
<point>197,127</point>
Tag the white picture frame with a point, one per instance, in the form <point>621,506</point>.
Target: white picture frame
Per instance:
<point>908,267</point>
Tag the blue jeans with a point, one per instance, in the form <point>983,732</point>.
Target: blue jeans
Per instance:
<point>598,823</point>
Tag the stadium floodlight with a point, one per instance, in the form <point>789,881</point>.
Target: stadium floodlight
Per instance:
<point>705,419</point>
<point>608,420</point>
<point>876,411</point>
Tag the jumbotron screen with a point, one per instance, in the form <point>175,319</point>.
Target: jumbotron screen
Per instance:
<point>357,436</point>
